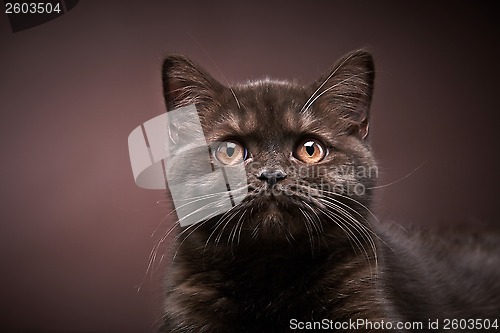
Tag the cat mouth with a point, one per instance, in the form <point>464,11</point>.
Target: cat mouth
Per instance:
<point>275,190</point>
<point>274,201</point>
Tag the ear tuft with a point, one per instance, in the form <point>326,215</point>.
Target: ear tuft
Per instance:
<point>185,83</point>
<point>347,90</point>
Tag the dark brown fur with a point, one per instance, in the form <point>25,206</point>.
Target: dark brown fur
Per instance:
<point>272,262</point>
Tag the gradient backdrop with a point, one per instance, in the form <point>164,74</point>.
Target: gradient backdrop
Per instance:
<point>75,231</point>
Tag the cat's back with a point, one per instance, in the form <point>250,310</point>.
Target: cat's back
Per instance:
<point>451,272</point>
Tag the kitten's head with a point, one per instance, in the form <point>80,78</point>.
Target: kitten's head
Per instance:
<point>304,149</point>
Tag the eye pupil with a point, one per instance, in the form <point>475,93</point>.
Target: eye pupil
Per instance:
<point>230,147</point>
<point>310,149</point>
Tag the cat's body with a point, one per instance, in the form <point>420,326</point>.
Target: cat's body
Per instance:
<point>303,248</point>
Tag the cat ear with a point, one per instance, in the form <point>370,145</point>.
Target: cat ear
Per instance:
<point>186,83</point>
<point>347,89</point>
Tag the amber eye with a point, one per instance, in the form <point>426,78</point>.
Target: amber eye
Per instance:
<point>310,151</point>
<point>230,152</point>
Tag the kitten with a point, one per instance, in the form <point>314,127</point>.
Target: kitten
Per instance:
<point>301,251</point>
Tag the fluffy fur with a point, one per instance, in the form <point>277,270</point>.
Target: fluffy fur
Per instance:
<point>305,245</point>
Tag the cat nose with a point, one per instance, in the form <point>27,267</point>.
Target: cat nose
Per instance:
<point>272,176</point>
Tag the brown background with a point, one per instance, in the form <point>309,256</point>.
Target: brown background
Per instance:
<point>74,228</point>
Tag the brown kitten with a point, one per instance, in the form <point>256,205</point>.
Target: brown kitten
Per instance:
<point>302,249</point>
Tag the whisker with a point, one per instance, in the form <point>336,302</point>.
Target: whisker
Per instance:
<point>198,225</point>
<point>305,107</point>
<point>196,199</point>
<point>362,229</point>
<point>331,88</point>
<point>400,179</point>
<point>309,231</point>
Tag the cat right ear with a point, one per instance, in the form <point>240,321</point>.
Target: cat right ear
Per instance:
<point>186,83</point>
<point>347,91</point>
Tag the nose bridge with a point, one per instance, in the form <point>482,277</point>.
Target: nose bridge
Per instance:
<point>272,163</point>
<point>273,156</point>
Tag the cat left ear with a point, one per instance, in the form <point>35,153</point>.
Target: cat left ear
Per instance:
<point>347,90</point>
<point>186,83</point>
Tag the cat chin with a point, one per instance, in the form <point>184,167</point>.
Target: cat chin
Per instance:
<point>270,214</point>
<point>278,221</point>
<point>274,210</point>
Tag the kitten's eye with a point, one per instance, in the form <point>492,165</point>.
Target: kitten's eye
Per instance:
<point>310,151</point>
<point>230,152</point>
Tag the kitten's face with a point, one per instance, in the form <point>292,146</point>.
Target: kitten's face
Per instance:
<point>309,169</point>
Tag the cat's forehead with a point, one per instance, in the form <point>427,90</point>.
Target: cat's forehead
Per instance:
<point>271,103</point>
<point>264,108</point>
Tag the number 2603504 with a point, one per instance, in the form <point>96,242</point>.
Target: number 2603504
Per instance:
<point>470,324</point>
<point>32,8</point>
